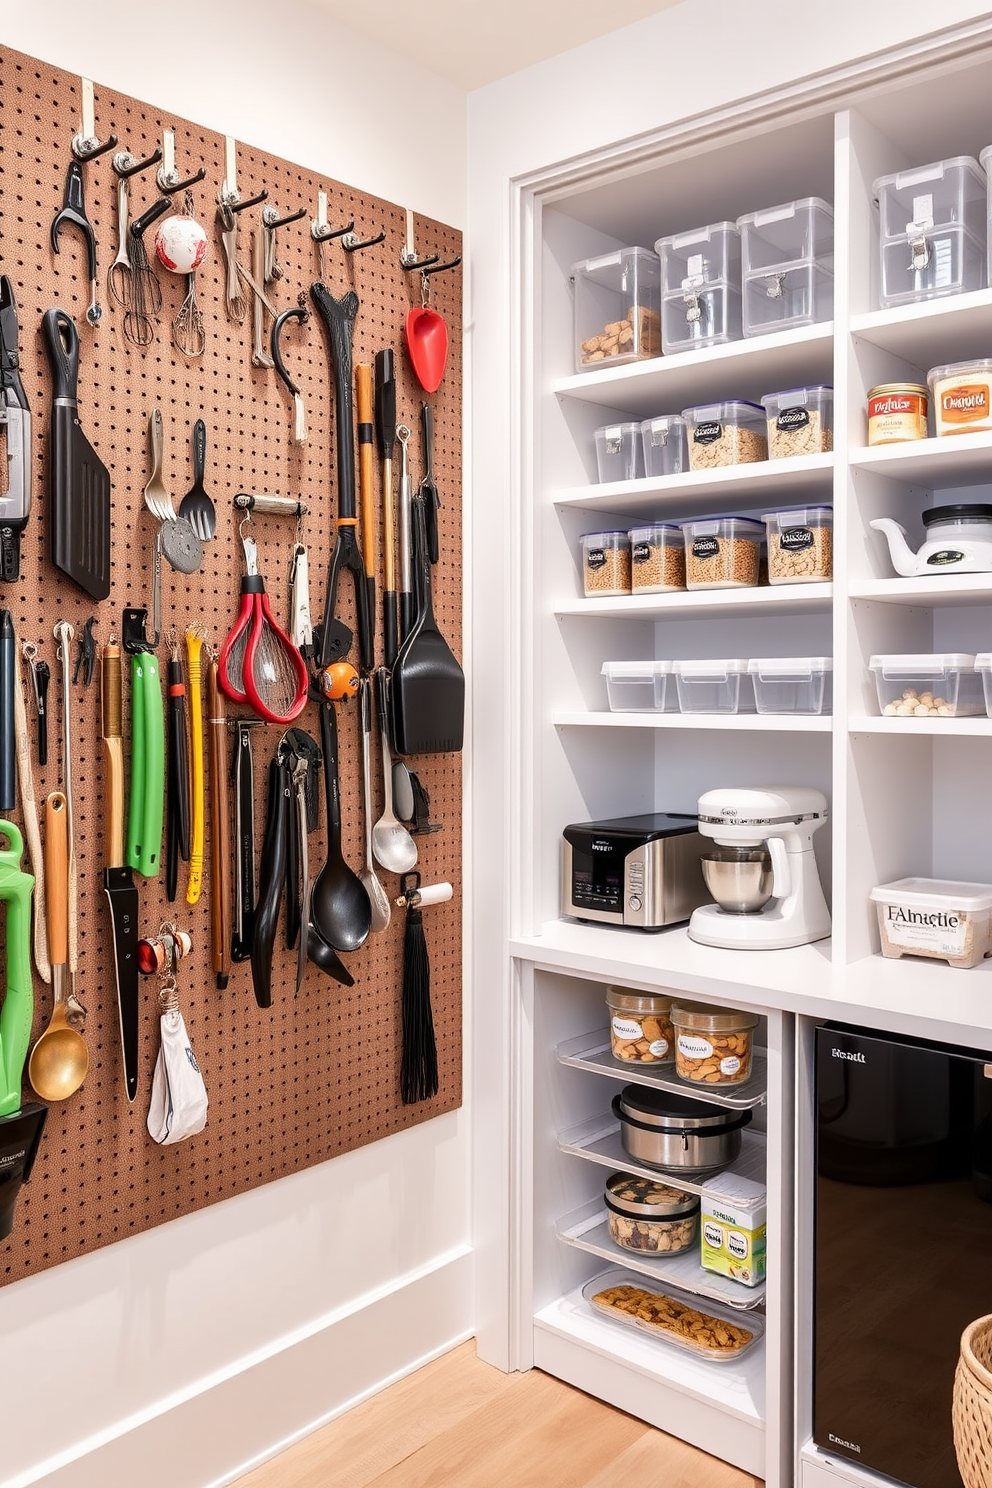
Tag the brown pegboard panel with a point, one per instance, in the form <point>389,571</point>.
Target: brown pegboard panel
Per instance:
<point>310,1078</point>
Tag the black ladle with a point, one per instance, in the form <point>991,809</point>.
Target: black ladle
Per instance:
<point>340,908</point>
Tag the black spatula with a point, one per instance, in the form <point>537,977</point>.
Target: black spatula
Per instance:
<point>428,685</point>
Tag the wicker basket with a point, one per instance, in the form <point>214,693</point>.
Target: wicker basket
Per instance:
<point>972,1409</point>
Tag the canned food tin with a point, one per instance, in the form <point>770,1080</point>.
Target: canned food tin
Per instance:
<point>897,411</point>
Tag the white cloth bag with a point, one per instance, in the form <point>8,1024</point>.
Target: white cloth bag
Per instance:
<point>178,1106</point>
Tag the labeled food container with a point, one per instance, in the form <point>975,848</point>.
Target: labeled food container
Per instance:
<point>788,265</point>
<point>719,434</point>
<point>800,544</point>
<point>617,308</point>
<point>722,552</point>
<point>703,1329</point>
<point>897,412</point>
<point>650,1217</point>
<point>700,287</point>
<point>640,1027</point>
<point>640,686</point>
<point>792,684</point>
<point>605,563</point>
<point>674,1132</point>
<point>944,685</point>
<point>935,917</point>
<point>657,558</point>
<point>962,397</point>
<point>712,686</point>
<point>733,1226</point>
<point>800,421</point>
<point>713,1046</point>
<point>666,451</point>
<point>618,452</point>
<point>932,238</point>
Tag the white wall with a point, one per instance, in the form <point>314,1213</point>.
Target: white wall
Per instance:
<point>178,1356</point>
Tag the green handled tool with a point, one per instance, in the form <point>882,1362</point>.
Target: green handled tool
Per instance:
<point>16,888</point>
<point>147,798</point>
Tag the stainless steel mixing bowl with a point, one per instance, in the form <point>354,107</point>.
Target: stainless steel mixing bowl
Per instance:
<point>740,880</point>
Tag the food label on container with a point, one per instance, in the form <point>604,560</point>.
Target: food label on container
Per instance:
<point>896,416</point>
<point>627,1030</point>
<point>937,930</point>
<point>730,1065</point>
<point>792,418</point>
<point>595,557</point>
<point>794,539</point>
<point>738,1245</point>
<point>640,552</point>
<point>713,1235</point>
<point>945,556</point>
<point>694,1048</point>
<point>705,547</point>
<point>707,433</point>
<point>965,403</point>
<point>659,1047</point>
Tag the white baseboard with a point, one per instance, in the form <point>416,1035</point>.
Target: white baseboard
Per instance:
<point>210,1436</point>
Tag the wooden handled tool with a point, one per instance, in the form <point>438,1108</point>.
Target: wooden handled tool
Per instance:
<point>118,878</point>
<point>220,830</point>
<point>366,477</point>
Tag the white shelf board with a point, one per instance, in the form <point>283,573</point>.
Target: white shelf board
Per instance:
<point>742,369</point>
<point>598,1140</point>
<point>955,460</point>
<point>968,728</point>
<point>591,1051</point>
<point>795,480</point>
<point>735,1389</point>
<point>953,328</point>
<point>961,999</point>
<point>929,589</point>
<point>778,723</point>
<point>769,599</point>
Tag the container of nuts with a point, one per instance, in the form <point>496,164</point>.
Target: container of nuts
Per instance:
<point>944,685</point>
<point>733,433</point>
<point>640,1027</point>
<point>651,1217</point>
<point>800,421</point>
<point>713,1046</point>
<point>605,563</point>
<point>617,308</point>
<point>800,544</point>
<point>657,558</point>
<point>722,552</point>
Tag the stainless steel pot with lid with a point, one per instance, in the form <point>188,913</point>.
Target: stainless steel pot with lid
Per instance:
<point>673,1131</point>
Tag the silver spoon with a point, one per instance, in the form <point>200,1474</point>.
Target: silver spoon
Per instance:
<point>378,897</point>
<point>392,844</point>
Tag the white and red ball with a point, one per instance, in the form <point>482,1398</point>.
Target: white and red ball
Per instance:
<point>181,244</point>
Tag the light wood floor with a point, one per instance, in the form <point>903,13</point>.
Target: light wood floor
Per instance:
<point>458,1423</point>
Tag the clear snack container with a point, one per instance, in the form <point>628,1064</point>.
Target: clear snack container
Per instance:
<point>640,1026</point>
<point>617,308</point>
<point>700,287</point>
<point>983,665</point>
<point>666,451</point>
<point>985,160</point>
<point>731,433</point>
<point>713,1045</point>
<point>800,544</point>
<point>640,686</point>
<point>961,396</point>
<point>650,1217</point>
<point>657,558</point>
<point>618,452</point>
<point>722,552</point>
<point>944,685</point>
<point>800,421</point>
<point>713,686</point>
<point>693,1324</point>
<point>938,918</point>
<point>605,564</point>
<point>788,265</point>
<point>792,684</point>
<point>933,231</point>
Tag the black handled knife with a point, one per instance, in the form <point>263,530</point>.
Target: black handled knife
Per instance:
<point>118,879</point>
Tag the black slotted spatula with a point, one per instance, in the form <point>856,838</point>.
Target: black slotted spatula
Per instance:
<point>428,685</point>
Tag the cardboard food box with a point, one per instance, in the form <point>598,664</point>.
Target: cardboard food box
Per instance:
<point>733,1219</point>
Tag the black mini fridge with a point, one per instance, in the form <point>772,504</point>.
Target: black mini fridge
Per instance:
<point>903,1245</point>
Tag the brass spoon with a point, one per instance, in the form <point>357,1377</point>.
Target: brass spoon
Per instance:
<point>59,1060</point>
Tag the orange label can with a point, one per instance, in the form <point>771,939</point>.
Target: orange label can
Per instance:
<point>897,411</point>
<point>962,397</point>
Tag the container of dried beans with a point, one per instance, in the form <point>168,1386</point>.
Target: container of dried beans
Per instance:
<point>732,433</point>
<point>657,558</point>
<point>605,564</point>
<point>722,552</point>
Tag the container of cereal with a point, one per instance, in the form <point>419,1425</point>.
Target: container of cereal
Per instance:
<point>640,686</point>
<point>733,433</point>
<point>938,918</point>
<point>897,412</point>
<point>791,684</point>
<point>713,686</point>
<point>605,563</point>
<point>800,544</point>
<point>651,1217</point>
<point>962,397</point>
<point>618,452</point>
<point>665,449</point>
<point>640,1026</point>
<point>722,552</point>
<point>713,1046</point>
<point>703,1329</point>
<point>657,558</point>
<point>733,1226</point>
<point>800,421</point>
<point>944,685</point>
<point>617,308</point>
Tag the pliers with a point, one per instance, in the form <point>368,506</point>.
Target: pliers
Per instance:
<point>73,214</point>
<point>146,807</point>
<point>15,417</point>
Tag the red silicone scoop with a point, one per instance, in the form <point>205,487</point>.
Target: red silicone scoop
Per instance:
<point>427,344</point>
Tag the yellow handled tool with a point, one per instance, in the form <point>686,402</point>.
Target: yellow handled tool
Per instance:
<point>194,652</point>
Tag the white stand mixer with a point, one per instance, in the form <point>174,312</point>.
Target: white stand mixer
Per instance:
<point>765,881</point>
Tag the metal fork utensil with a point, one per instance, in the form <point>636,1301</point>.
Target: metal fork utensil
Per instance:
<point>119,275</point>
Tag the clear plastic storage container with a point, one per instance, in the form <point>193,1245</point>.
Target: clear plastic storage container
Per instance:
<point>935,917</point>
<point>605,564</point>
<point>657,558</point>
<point>933,231</point>
<point>945,685</point>
<point>722,552</point>
<point>732,433</point>
<point>691,1324</point>
<point>640,686</point>
<point>961,394</point>
<point>800,421</point>
<point>700,287</point>
<point>618,452</point>
<point>650,1217</point>
<point>640,1026</point>
<point>617,308</point>
<point>983,665</point>
<point>666,451</point>
<point>713,1045</point>
<point>985,160</point>
<point>713,686</point>
<point>792,684</point>
<point>788,266</point>
<point>800,544</point>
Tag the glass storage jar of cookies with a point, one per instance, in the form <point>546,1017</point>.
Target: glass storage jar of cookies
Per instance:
<point>640,1026</point>
<point>713,1045</point>
<point>651,1217</point>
